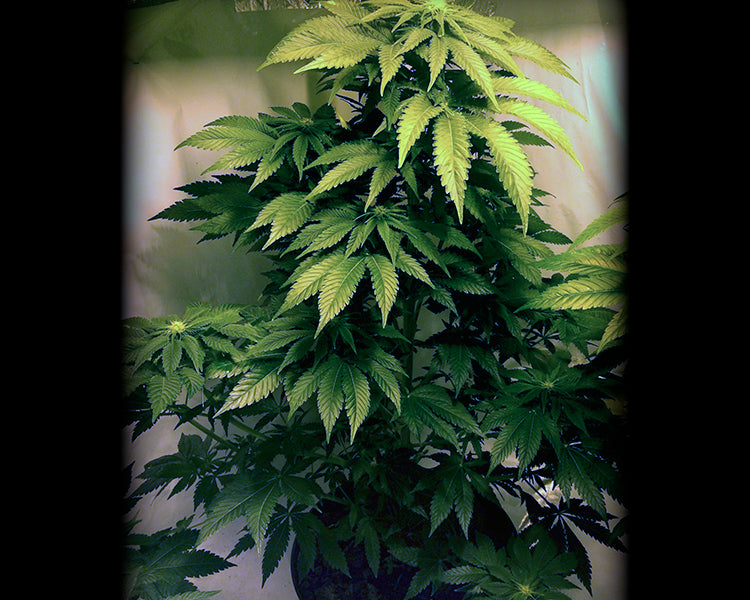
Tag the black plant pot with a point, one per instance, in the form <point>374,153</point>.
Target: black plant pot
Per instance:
<point>322,582</point>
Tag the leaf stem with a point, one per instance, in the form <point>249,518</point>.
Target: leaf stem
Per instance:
<point>217,438</point>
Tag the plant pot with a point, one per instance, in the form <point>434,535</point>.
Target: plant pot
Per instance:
<point>322,582</point>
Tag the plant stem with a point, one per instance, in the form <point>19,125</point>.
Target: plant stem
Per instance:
<point>249,430</point>
<point>220,440</point>
<point>411,316</point>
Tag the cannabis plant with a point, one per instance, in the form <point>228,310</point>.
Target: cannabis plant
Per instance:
<point>427,345</point>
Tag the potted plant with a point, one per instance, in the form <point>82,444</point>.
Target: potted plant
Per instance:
<point>421,351</point>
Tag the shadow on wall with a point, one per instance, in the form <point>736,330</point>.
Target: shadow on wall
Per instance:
<point>174,271</point>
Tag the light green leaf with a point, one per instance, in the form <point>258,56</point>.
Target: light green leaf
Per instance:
<point>348,170</point>
<point>228,505</point>
<point>617,327</point>
<point>308,277</point>
<point>287,213</point>
<point>356,396</point>
<point>259,508</point>
<point>452,153</point>
<point>337,288</point>
<point>436,56</point>
<point>615,215</point>
<point>381,176</point>
<point>536,53</point>
<point>541,121</point>
<point>257,383</point>
<point>510,161</point>
<point>390,58</point>
<point>171,355</point>
<point>409,265</point>
<point>330,393</point>
<point>599,291</point>
<point>384,282</point>
<point>532,89</point>
<point>416,114</point>
<point>467,58</point>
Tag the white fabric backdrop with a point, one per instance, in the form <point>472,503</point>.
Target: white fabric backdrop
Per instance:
<point>163,268</point>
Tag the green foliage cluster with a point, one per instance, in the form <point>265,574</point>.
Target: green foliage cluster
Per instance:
<point>418,347</point>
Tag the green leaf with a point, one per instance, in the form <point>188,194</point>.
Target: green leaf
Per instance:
<point>612,217</point>
<point>308,277</point>
<point>510,161</point>
<point>287,213</point>
<point>338,286</point>
<point>259,508</point>
<point>416,114</point>
<point>541,121</point>
<point>409,265</point>
<point>172,354</point>
<point>390,59</point>
<point>356,396</point>
<point>532,89</point>
<point>591,292</point>
<point>162,392</point>
<point>538,54</point>
<point>473,64</point>
<point>452,153</point>
<point>437,55</point>
<point>384,282</point>
<point>522,431</point>
<point>381,177</point>
<point>257,383</point>
<point>330,393</point>
<point>327,39</point>
<point>575,468</point>
<point>349,169</point>
<point>279,534</point>
<point>228,505</point>
<point>617,327</point>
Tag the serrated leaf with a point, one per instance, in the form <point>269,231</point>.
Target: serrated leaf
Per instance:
<point>612,217</point>
<point>162,391</point>
<point>437,55</point>
<point>409,265</point>
<point>591,292</point>
<point>257,383</point>
<point>303,388</point>
<point>243,131</point>
<point>287,213</point>
<point>172,354</point>
<point>228,505</point>
<point>473,64</point>
<point>532,89</point>
<point>348,170</point>
<point>319,37</point>
<point>356,396</point>
<point>416,114</point>
<point>384,282</point>
<point>308,277</point>
<point>464,506</point>
<point>617,327</point>
<point>574,469</point>
<point>330,394</point>
<point>452,153</point>
<point>381,176</point>
<point>390,59</point>
<point>536,53</point>
<point>276,545</point>
<point>510,161</point>
<point>337,287</point>
<point>541,121</point>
